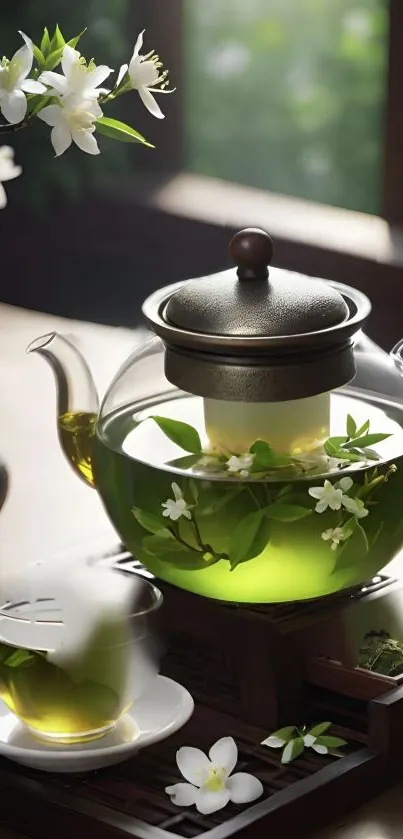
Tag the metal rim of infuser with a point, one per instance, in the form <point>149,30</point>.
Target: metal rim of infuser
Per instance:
<point>256,335</point>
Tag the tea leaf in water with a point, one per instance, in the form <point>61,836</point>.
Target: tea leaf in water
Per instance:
<point>367,440</point>
<point>149,521</point>
<point>351,426</point>
<point>356,446</point>
<point>249,537</point>
<point>215,497</point>
<point>363,430</point>
<point>369,454</point>
<point>19,657</point>
<point>287,489</point>
<point>355,544</point>
<point>181,433</point>
<point>266,458</point>
<point>161,542</point>
<point>334,450</point>
<point>287,512</point>
<point>186,462</point>
<point>194,489</point>
<point>169,550</point>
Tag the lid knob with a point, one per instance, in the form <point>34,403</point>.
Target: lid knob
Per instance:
<point>252,251</point>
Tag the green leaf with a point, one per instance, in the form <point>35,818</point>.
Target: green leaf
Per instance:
<point>333,450</point>
<point>330,742</point>
<point>117,130</point>
<point>319,729</point>
<point>363,535</point>
<point>36,103</point>
<point>38,55</point>
<point>214,497</point>
<point>45,43</point>
<point>363,430</point>
<point>149,521</point>
<point>338,441</point>
<point>287,489</point>
<point>286,512</point>
<point>159,543</point>
<point>351,426</point>
<point>57,41</point>
<point>74,41</point>
<point>263,454</point>
<point>19,657</point>
<point>168,549</point>
<point>367,440</point>
<point>266,458</point>
<point>53,59</point>
<point>249,537</point>
<point>292,750</point>
<point>182,434</point>
<point>369,454</point>
<point>373,539</point>
<point>194,490</point>
<point>356,545</point>
<point>185,462</point>
<point>348,528</point>
<point>285,733</point>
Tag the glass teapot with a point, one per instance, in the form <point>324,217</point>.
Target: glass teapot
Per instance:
<point>228,452</point>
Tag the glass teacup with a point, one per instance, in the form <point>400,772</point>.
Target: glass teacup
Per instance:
<point>77,695</point>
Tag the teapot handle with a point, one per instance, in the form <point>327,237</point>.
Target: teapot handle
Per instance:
<point>396,355</point>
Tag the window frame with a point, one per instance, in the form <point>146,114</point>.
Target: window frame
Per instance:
<point>392,187</point>
<point>167,28</point>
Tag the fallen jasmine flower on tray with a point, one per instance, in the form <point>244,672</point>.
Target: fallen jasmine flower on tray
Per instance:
<point>210,784</point>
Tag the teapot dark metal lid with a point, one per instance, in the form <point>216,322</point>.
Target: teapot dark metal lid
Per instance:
<point>254,334</point>
<point>253,301</point>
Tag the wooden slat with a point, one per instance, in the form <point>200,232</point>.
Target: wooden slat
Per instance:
<point>356,683</point>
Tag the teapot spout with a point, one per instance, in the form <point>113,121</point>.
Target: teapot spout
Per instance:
<point>77,400</point>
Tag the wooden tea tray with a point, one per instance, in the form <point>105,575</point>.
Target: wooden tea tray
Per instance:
<point>129,800</point>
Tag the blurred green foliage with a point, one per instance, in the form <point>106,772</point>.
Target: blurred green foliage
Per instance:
<point>109,40</point>
<point>288,95</point>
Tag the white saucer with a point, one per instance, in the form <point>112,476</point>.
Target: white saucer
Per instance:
<point>162,710</point>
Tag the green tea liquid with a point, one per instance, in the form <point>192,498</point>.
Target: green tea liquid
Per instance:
<point>134,471</point>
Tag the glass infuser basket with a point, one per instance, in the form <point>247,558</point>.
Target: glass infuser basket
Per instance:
<point>228,453</point>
